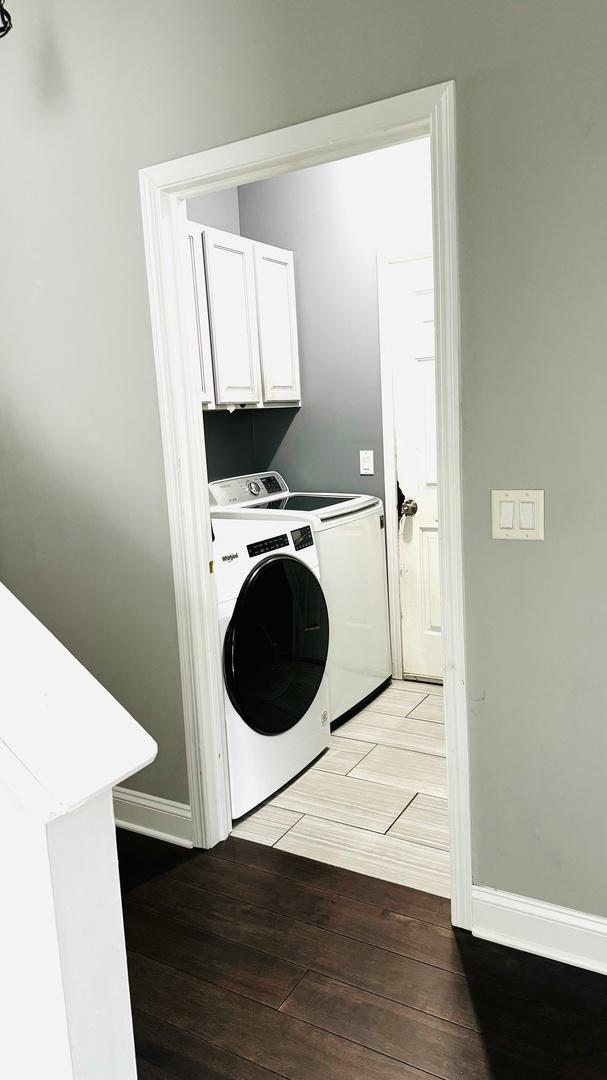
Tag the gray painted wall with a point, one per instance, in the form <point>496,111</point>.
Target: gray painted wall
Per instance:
<point>219,209</point>
<point>230,444</point>
<point>83,535</point>
<point>336,218</point>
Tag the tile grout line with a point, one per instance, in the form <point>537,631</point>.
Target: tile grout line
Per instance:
<point>372,746</point>
<point>346,824</point>
<point>428,887</point>
<point>422,753</point>
<point>406,808</point>
<point>412,799</point>
<point>287,830</point>
<point>384,783</point>
<point>395,746</point>
<point>371,833</point>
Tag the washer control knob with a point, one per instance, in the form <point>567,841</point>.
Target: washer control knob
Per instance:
<point>254,487</point>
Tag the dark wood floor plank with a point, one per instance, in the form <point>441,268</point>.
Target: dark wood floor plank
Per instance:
<point>236,967</point>
<point>535,1025</point>
<point>333,879</point>
<point>352,918</point>
<point>253,931</point>
<point>271,1039</point>
<point>513,971</point>
<point>168,1052</point>
<point>414,1038</point>
<point>145,1071</point>
<point>366,966</point>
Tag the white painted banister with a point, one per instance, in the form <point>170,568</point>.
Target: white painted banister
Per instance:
<point>64,743</point>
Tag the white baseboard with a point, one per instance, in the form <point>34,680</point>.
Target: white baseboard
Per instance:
<point>537,927</point>
<point>153,816</point>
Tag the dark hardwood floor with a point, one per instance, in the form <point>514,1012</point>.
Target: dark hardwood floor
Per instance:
<point>248,963</point>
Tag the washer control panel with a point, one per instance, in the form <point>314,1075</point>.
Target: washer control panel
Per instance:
<point>242,489</point>
<point>261,547</point>
<point>272,484</point>
<point>302,538</point>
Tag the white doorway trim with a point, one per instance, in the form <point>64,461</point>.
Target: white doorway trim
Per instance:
<point>163,189</point>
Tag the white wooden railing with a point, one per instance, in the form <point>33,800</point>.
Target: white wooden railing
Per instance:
<point>64,742</point>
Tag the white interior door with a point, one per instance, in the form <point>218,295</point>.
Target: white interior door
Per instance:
<point>408,330</point>
<point>233,317</point>
<point>277,323</point>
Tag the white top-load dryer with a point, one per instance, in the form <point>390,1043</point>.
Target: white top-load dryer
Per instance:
<point>349,534</point>
<point>274,632</point>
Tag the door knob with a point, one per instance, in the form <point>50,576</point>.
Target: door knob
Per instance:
<point>409,507</point>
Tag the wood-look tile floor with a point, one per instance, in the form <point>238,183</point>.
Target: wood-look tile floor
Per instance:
<point>376,802</point>
<point>250,963</point>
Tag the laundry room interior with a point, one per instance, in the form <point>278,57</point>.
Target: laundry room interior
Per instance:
<point>309,301</point>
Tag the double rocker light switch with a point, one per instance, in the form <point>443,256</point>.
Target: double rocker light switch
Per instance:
<point>517,515</point>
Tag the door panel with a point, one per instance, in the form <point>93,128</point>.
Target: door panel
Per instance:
<point>408,331</point>
<point>277,323</point>
<point>232,309</point>
<point>429,575</point>
<point>428,459</point>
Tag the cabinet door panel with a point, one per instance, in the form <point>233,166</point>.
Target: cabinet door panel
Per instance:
<point>196,315</point>
<point>277,323</point>
<point>231,293</point>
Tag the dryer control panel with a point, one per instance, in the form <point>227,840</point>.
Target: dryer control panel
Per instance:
<point>271,544</point>
<point>254,487</point>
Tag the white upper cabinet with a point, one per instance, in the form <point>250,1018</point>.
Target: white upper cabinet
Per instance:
<point>277,323</point>
<point>239,319</point>
<point>195,311</point>
<point>232,316</point>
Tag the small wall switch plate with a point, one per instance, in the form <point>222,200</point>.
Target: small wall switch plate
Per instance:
<point>517,515</point>
<point>367,467</point>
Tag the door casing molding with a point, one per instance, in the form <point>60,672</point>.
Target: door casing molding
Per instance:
<point>429,111</point>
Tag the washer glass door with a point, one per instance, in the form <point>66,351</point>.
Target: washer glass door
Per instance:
<point>276,645</point>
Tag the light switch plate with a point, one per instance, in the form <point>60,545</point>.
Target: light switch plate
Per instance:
<point>524,508</point>
<point>367,467</point>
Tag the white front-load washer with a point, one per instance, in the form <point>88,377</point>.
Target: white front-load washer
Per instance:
<point>274,632</point>
<point>349,533</point>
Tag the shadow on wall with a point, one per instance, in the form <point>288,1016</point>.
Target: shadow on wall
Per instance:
<point>97,581</point>
<point>244,441</point>
<point>49,71</point>
<point>269,430</point>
